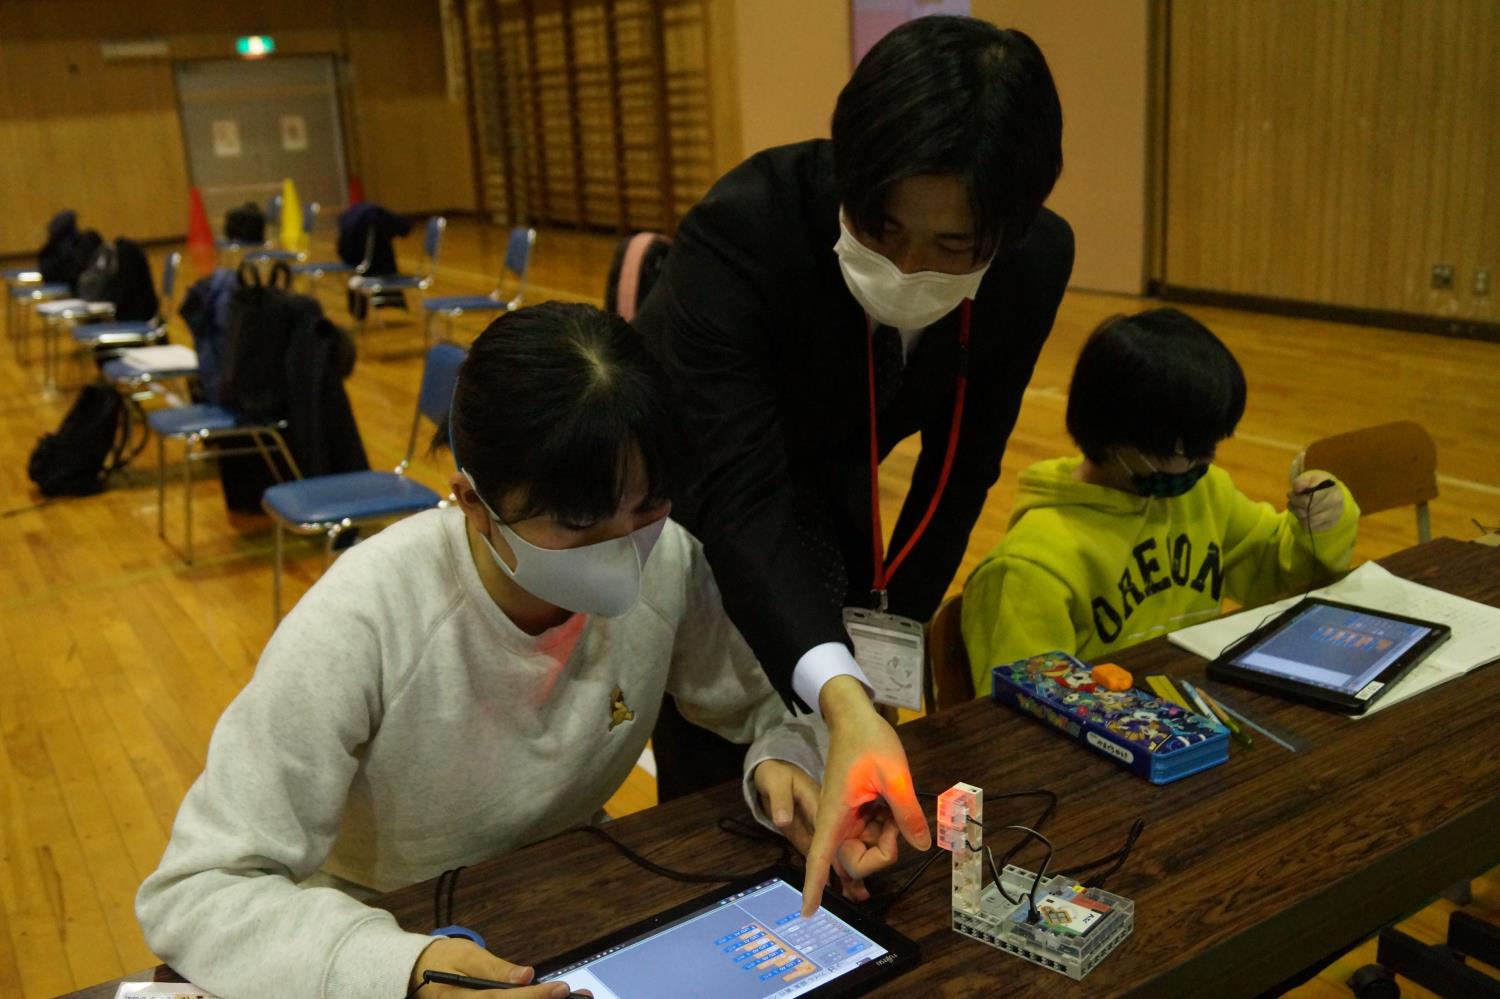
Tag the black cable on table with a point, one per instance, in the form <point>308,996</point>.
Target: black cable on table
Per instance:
<point>728,824</point>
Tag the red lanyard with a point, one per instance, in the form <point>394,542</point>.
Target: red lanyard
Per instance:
<point>884,572</point>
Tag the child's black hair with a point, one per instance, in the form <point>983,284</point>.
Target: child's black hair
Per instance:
<point>1150,381</point>
<point>552,403</point>
<point>951,96</point>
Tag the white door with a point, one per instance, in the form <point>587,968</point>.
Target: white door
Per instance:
<point>249,124</point>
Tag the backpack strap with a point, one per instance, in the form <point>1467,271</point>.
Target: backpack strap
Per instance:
<point>248,274</point>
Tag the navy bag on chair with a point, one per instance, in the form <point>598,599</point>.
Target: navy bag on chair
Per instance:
<point>205,310</point>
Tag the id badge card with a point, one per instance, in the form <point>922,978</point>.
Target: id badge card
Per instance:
<point>888,648</point>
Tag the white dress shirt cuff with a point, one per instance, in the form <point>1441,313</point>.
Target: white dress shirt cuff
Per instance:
<point>820,664</point>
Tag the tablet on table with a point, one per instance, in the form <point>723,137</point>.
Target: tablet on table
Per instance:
<point>1331,654</point>
<point>746,940</point>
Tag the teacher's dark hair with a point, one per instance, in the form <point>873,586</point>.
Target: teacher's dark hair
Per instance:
<point>552,402</point>
<point>955,96</point>
<point>1151,380</point>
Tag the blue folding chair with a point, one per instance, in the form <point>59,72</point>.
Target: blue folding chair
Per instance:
<point>517,264</point>
<point>316,270</point>
<point>331,504</point>
<point>24,288</point>
<point>197,425</point>
<point>71,314</point>
<point>136,333</point>
<point>367,286</point>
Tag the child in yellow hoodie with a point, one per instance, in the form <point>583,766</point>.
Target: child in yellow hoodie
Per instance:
<point>1143,535</point>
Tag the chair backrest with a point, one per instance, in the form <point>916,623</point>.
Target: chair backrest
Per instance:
<point>439,376</point>
<point>518,263</point>
<point>273,213</point>
<point>949,680</point>
<point>432,241</point>
<point>363,267</point>
<point>1385,467</point>
<point>169,282</point>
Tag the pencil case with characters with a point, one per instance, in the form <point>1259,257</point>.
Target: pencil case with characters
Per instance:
<point>1146,735</point>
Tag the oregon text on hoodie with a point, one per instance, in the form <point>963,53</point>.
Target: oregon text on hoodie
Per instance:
<point>1088,570</point>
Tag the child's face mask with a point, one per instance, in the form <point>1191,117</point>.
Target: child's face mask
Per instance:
<point>603,578</point>
<point>1163,485</point>
<point>892,297</point>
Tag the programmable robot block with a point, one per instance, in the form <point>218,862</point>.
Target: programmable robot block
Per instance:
<point>1066,926</point>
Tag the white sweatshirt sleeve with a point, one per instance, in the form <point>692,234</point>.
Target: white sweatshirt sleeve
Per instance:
<point>720,685</point>
<point>224,908</point>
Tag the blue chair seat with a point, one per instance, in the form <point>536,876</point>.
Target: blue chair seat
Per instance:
<point>184,420</point>
<point>323,267</point>
<point>34,290</point>
<point>106,332</point>
<point>357,495</point>
<point>462,303</point>
<point>390,281</point>
<point>272,255</point>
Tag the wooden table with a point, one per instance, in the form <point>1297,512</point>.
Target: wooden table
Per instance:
<point>1244,875</point>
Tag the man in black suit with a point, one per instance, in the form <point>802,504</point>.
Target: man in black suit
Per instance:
<point>825,301</point>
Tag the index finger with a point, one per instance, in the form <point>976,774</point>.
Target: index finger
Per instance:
<point>828,832</point>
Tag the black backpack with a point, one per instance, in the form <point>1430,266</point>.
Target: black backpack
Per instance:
<point>252,377</point>
<point>88,446</point>
<point>100,279</point>
<point>121,274</point>
<point>51,259</point>
<point>76,257</point>
<point>245,224</point>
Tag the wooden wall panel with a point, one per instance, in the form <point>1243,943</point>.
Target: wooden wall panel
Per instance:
<point>1098,57</point>
<point>592,113</point>
<point>413,143</point>
<point>104,137</point>
<point>1332,152</point>
<point>79,132</point>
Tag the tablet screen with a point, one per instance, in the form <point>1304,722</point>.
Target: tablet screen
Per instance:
<point>752,944</point>
<point>1338,648</point>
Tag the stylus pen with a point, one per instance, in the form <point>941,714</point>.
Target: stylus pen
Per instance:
<point>465,982</point>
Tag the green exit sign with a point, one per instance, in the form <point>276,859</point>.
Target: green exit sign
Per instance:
<point>255,46</point>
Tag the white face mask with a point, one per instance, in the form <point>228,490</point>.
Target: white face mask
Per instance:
<point>603,578</point>
<point>905,301</point>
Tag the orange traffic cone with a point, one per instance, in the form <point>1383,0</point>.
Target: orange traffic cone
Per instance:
<point>200,240</point>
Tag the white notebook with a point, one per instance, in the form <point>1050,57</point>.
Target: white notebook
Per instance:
<point>163,357</point>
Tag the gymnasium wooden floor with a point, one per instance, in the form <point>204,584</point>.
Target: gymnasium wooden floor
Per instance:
<point>116,659</point>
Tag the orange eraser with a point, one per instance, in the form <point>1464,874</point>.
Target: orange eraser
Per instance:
<point>1112,677</point>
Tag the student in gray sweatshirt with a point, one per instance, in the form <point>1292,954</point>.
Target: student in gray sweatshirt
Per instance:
<point>471,680</point>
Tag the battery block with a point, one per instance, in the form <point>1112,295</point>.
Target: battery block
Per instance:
<point>1073,928</point>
